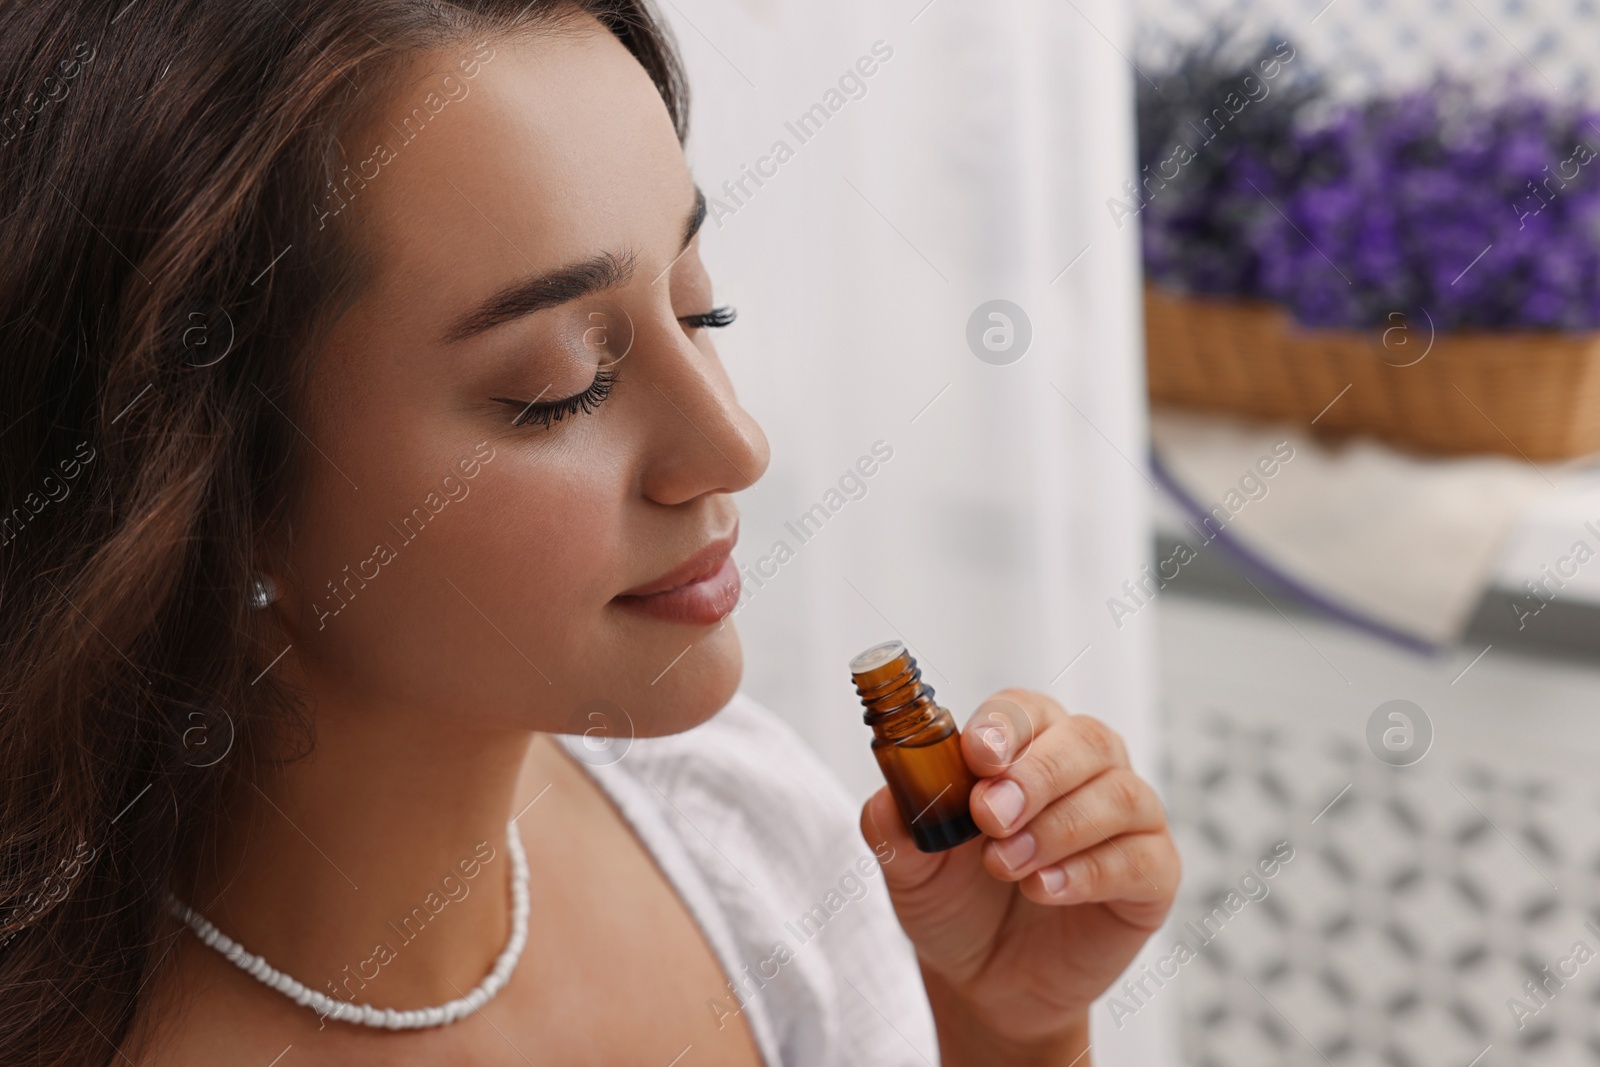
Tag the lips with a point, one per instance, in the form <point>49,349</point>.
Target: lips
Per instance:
<point>700,590</point>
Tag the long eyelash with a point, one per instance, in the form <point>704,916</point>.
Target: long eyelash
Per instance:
<point>713,319</point>
<point>543,413</point>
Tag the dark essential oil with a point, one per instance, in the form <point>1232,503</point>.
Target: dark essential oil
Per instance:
<point>918,747</point>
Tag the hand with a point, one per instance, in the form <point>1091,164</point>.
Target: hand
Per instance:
<point>1019,929</point>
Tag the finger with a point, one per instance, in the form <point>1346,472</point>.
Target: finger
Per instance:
<point>1063,756</point>
<point>1115,803</point>
<point>1138,873</point>
<point>904,866</point>
<point>1003,728</point>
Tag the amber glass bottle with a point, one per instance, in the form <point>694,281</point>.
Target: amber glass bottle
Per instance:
<point>917,745</point>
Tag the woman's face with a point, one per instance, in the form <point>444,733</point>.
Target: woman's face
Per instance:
<point>465,547</point>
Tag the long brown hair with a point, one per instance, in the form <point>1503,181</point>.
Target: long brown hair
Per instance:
<point>168,259</point>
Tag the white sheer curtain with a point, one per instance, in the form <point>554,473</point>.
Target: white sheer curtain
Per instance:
<point>972,163</point>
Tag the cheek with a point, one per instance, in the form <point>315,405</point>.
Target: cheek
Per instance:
<point>540,547</point>
<point>477,601</point>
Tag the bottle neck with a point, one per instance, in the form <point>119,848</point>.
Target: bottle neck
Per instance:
<point>898,702</point>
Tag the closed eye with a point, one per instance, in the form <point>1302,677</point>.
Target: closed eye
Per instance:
<point>713,319</point>
<point>538,412</point>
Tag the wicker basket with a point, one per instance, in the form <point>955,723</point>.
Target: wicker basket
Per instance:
<point>1530,393</point>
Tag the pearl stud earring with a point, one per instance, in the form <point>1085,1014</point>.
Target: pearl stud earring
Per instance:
<point>262,592</point>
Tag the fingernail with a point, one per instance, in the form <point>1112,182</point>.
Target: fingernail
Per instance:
<point>1016,851</point>
<point>995,737</point>
<point>1005,801</point>
<point>1053,879</point>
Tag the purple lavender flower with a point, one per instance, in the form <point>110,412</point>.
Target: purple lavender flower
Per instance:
<point>1482,214</point>
<point>1485,214</point>
<point>1214,136</point>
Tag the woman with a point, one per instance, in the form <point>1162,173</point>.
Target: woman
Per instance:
<point>365,453</point>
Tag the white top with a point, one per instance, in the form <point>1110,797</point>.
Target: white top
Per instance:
<point>762,842</point>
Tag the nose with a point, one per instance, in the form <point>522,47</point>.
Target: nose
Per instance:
<point>701,440</point>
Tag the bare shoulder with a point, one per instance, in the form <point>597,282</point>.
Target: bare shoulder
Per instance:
<point>199,1011</point>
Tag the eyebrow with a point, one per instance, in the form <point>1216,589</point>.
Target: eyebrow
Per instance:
<point>606,270</point>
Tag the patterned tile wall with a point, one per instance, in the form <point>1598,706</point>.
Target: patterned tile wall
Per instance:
<point>1418,903</point>
<point>1366,45</point>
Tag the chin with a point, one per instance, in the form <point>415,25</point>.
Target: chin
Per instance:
<point>695,689</point>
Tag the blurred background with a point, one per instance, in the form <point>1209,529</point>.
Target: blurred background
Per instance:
<point>1229,372</point>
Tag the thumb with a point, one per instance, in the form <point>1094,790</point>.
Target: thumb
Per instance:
<point>945,901</point>
<point>904,866</point>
